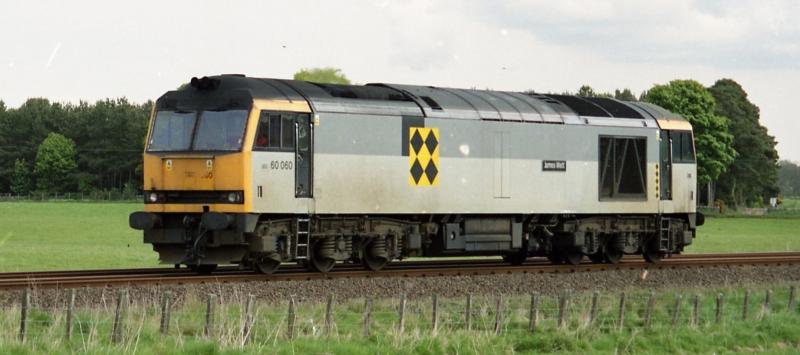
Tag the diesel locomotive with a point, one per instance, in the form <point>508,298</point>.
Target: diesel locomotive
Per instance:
<point>258,172</point>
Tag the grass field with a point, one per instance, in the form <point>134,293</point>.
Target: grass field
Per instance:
<point>75,235</point>
<point>776,330</point>
<point>70,235</point>
<point>720,235</point>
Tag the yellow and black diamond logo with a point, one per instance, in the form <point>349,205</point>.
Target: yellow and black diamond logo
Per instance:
<point>423,156</point>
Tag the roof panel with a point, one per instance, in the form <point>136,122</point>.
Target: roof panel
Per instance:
<point>615,108</point>
<point>441,102</point>
<point>581,106</point>
<point>484,108</point>
<point>526,110</point>
<point>506,110</point>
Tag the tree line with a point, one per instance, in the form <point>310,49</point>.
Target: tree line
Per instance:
<point>54,148</point>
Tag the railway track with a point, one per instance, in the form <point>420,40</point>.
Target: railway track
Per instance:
<point>452,267</point>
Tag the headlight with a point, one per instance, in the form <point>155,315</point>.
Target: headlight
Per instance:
<point>152,197</point>
<point>234,197</point>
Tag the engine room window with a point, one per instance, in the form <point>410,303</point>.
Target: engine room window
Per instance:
<point>682,147</point>
<point>623,164</point>
<point>275,131</point>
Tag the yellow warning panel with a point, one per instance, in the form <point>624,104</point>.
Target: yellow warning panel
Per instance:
<point>423,156</point>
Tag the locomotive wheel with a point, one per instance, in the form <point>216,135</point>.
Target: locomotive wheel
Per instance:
<point>204,269</point>
<point>652,255</point>
<point>572,256</point>
<point>266,265</point>
<point>612,256</point>
<point>372,259</point>
<point>555,258</point>
<point>515,259</point>
<point>374,263</point>
<point>597,258</point>
<point>321,264</point>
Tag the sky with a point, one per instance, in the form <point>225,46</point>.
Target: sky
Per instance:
<point>88,50</point>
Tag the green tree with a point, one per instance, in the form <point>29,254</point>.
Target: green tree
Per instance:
<point>326,75</point>
<point>586,90</point>
<point>712,140</point>
<point>23,128</point>
<point>624,95</point>
<point>109,139</point>
<point>55,164</point>
<point>789,179</point>
<point>21,184</point>
<point>108,136</point>
<point>753,175</point>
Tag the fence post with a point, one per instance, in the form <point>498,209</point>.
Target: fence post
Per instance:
<point>720,299</point>
<point>119,316</point>
<point>211,302</point>
<point>401,324</point>
<point>498,316</point>
<point>562,309</point>
<point>435,315</point>
<point>290,317</point>
<point>792,291</point>
<point>247,327</point>
<point>534,314</point>
<point>621,316</point>
<point>593,308</point>
<point>648,311</point>
<point>746,304</point>
<point>676,310</point>
<point>166,298</point>
<point>696,310</point>
<point>328,314</point>
<point>468,313</point>
<point>767,301</point>
<point>70,310</point>
<point>23,322</point>
<point>367,316</point>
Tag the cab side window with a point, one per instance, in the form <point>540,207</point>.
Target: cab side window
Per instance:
<point>275,131</point>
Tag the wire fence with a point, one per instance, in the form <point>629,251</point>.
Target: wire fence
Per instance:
<point>237,320</point>
<point>73,196</point>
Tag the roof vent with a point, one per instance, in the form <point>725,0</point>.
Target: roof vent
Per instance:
<point>431,102</point>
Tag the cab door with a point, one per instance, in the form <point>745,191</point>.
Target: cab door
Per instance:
<point>665,172</point>
<point>304,156</point>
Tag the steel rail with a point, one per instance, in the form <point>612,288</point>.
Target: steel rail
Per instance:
<point>415,268</point>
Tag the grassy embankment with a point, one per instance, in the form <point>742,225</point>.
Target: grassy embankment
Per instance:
<point>776,331</point>
<point>39,236</point>
<point>74,235</point>
<point>70,235</point>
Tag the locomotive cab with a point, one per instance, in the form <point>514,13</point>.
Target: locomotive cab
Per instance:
<point>204,187</point>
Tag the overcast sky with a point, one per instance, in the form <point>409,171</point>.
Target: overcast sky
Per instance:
<point>72,50</point>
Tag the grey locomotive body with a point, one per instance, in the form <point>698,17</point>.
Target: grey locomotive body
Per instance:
<point>381,172</point>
